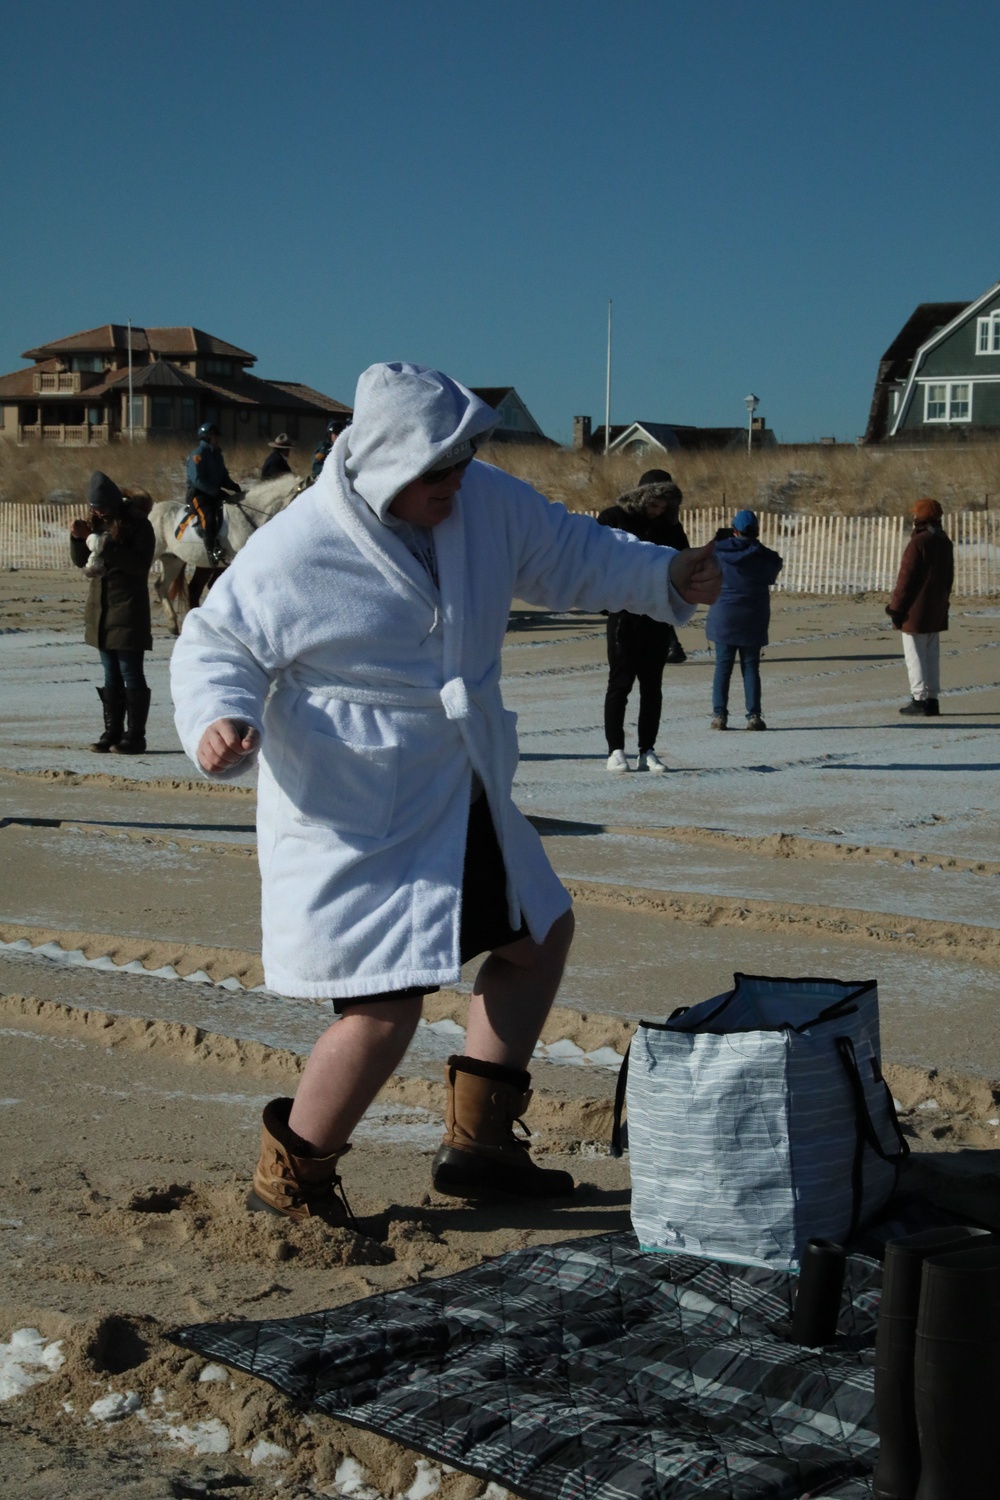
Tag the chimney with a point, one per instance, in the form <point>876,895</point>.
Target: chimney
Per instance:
<point>581,432</point>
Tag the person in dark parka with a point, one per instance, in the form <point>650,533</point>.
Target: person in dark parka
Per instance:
<point>115,547</point>
<point>738,620</point>
<point>639,647</point>
<point>919,606</point>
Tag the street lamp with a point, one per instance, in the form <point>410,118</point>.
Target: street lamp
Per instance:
<point>751,403</point>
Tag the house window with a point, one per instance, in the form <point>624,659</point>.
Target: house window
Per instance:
<point>188,415</point>
<point>264,423</point>
<point>959,402</point>
<point>95,415</point>
<point>136,412</point>
<point>218,367</point>
<point>988,340</point>
<point>89,363</point>
<point>163,412</point>
<point>949,401</point>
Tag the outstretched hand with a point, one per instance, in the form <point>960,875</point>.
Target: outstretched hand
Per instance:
<point>696,575</point>
<point>226,742</point>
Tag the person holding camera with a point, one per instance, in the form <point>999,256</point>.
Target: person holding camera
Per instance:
<point>738,621</point>
<point>114,546</point>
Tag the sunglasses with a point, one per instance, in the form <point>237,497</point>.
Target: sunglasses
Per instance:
<point>438,474</point>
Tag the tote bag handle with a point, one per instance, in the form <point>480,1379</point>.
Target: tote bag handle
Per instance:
<point>865,1132</point>
<point>615,1147</point>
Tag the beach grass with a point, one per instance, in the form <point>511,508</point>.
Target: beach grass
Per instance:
<point>820,479</point>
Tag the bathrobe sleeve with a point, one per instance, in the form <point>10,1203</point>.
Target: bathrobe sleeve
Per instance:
<point>569,561</point>
<point>222,668</point>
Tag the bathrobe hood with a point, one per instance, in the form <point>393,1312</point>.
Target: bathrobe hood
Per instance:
<point>407,419</point>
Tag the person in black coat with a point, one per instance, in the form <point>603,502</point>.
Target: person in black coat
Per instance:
<point>639,647</point>
<point>276,463</point>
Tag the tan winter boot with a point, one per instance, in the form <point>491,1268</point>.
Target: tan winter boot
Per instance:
<point>480,1156</point>
<point>289,1182</point>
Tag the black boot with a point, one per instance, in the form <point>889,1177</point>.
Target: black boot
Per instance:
<point>480,1155</point>
<point>113,703</point>
<point>675,651</point>
<point>932,708</point>
<point>956,1376</point>
<point>898,1469</point>
<point>133,741</point>
<point>916,707</point>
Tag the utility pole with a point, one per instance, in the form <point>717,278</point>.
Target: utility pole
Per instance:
<point>751,403</point>
<point>607,388</point>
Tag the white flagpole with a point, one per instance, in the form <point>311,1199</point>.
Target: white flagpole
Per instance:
<point>131,435</point>
<point>607,389</point>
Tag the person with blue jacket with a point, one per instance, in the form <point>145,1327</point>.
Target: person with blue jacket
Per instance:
<point>738,620</point>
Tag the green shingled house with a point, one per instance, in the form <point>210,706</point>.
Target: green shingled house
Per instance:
<point>940,377</point>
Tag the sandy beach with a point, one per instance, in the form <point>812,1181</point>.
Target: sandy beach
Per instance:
<point>139,1045</point>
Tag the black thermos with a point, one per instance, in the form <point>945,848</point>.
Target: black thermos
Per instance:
<point>817,1302</point>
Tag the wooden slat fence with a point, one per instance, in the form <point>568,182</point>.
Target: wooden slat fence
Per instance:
<point>823,554</point>
<point>860,554</point>
<point>36,536</point>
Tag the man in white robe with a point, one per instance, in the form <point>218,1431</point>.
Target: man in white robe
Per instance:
<point>354,647</point>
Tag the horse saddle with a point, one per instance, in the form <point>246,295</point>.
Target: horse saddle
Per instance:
<point>194,515</point>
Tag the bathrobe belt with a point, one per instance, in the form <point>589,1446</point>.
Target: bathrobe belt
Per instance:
<point>469,707</point>
<point>456,697</point>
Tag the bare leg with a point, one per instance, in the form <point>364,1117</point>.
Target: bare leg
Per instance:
<point>513,995</point>
<point>348,1065</point>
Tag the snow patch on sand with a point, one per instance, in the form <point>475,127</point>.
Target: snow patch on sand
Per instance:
<point>26,1360</point>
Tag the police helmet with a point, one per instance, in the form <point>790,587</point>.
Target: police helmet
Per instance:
<point>336,425</point>
<point>207,430</point>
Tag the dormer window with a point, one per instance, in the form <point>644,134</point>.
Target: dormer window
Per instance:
<point>988,333</point>
<point>91,364</point>
<point>218,367</point>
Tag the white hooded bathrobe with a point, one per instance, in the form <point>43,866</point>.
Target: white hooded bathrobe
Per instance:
<point>377,693</point>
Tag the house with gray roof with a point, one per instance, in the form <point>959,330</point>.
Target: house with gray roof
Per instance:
<point>76,391</point>
<point>939,379</point>
<point>517,425</point>
<point>638,438</point>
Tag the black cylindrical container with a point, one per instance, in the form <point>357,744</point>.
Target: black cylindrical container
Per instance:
<point>817,1302</point>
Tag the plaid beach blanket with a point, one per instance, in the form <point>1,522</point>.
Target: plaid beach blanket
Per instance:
<point>590,1370</point>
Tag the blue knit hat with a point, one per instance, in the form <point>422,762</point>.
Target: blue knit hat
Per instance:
<point>745,522</point>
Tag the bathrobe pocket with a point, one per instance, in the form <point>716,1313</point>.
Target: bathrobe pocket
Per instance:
<point>347,787</point>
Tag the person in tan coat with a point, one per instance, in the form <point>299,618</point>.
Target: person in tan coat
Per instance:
<point>919,606</point>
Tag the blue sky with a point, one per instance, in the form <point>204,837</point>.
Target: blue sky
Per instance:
<point>765,191</point>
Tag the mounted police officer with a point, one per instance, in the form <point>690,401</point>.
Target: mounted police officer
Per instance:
<point>209,485</point>
<point>334,428</point>
<point>276,463</point>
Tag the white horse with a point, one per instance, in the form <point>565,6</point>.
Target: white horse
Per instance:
<point>241,518</point>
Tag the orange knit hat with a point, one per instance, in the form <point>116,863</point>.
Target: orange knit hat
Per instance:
<point>927,510</point>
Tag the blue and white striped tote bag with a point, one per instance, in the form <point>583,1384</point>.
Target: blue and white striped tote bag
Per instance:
<point>759,1120</point>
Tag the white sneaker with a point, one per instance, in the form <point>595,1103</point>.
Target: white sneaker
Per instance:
<point>650,761</point>
<point>617,761</point>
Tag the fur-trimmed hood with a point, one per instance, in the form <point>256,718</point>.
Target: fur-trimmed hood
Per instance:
<point>637,499</point>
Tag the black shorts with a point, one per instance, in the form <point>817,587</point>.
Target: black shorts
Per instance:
<point>485,923</point>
